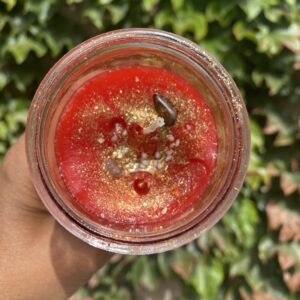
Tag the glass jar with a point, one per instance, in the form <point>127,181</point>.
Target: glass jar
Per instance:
<point>146,47</point>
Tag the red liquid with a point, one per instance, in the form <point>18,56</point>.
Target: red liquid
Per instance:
<point>116,173</point>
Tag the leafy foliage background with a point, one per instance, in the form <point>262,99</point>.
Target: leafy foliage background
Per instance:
<point>254,252</point>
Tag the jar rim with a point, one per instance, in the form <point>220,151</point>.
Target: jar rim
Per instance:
<point>224,80</point>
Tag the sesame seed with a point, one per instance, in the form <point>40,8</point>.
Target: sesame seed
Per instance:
<point>125,150</point>
<point>159,122</point>
<point>118,127</point>
<point>157,155</point>
<point>188,127</point>
<point>177,143</point>
<point>160,165</point>
<point>113,168</point>
<point>170,138</point>
<point>144,155</point>
<point>101,140</point>
<point>124,133</point>
<point>164,211</point>
<point>169,152</point>
<point>169,157</point>
<point>145,163</point>
<point>114,138</point>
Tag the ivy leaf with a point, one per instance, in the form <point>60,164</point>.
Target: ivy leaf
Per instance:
<point>163,19</point>
<point>94,14</point>
<point>117,12</point>
<point>10,4</point>
<point>207,277</point>
<point>177,4</point>
<point>252,8</point>
<point>223,12</point>
<point>273,14</point>
<point>272,42</point>
<point>241,31</point>
<point>145,273</point>
<point>104,2</point>
<point>242,220</point>
<point>240,266</point>
<point>257,137</point>
<point>40,8</point>
<point>163,264</point>
<point>149,4</point>
<point>74,1</point>
<point>54,46</point>
<point>182,263</point>
<point>4,19</point>
<point>3,80</point>
<point>190,21</point>
<point>266,248</point>
<point>3,130</point>
<point>20,47</point>
<point>277,123</point>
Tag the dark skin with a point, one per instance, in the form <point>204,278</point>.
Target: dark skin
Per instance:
<point>38,258</point>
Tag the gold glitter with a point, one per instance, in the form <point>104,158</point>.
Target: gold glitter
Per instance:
<point>118,193</point>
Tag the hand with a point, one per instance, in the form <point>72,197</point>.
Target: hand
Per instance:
<point>38,258</point>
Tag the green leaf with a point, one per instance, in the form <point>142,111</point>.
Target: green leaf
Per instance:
<point>242,220</point>
<point>223,12</point>
<point>189,21</point>
<point>254,277</point>
<point>3,80</point>
<point>10,4</point>
<point>273,14</point>
<point>163,264</point>
<point>74,1</point>
<point>177,4</point>
<point>149,4</point>
<point>257,77</point>
<point>40,8</point>
<point>104,2</point>
<point>145,273</point>
<point>257,138</point>
<point>241,31</point>
<point>240,266</point>
<point>207,277</point>
<point>54,46</point>
<point>4,19</point>
<point>163,18</point>
<point>20,47</point>
<point>200,26</point>
<point>266,248</point>
<point>182,263</point>
<point>3,130</point>
<point>252,8</point>
<point>117,12</point>
<point>94,14</point>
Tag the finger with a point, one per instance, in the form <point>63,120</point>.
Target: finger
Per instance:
<point>16,179</point>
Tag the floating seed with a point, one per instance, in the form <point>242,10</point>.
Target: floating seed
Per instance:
<point>165,109</point>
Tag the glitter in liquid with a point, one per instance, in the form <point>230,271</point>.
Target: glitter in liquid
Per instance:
<point>117,173</point>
